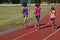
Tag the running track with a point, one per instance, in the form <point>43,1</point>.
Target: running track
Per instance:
<point>46,32</point>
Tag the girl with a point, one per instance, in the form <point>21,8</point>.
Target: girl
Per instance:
<point>25,13</point>
<point>37,14</point>
<point>52,14</point>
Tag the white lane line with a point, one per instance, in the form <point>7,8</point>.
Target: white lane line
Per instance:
<point>51,34</point>
<point>25,34</point>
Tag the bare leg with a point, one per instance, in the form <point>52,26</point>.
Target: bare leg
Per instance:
<point>36,25</point>
<point>53,23</point>
<point>24,23</point>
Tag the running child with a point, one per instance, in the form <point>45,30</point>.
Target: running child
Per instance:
<point>52,15</point>
<point>37,14</point>
<point>25,13</point>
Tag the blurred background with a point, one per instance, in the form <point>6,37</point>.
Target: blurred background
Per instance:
<point>28,1</point>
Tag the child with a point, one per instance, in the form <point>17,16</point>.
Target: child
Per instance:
<point>52,14</point>
<point>25,13</point>
<point>37,14</point>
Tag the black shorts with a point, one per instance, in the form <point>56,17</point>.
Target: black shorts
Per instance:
<point>38,18</point>
<point>53,20</point>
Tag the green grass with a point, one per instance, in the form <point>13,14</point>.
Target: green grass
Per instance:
<point>11,17</point>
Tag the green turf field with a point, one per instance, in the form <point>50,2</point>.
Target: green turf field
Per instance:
<point>11,17</point>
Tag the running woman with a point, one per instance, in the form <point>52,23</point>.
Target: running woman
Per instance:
<point>52,15</point>
<point>25,13</point>
<point>37,14</point>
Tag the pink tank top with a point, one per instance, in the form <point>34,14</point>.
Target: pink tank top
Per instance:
<point>37,11</point>
<point>52,14</point>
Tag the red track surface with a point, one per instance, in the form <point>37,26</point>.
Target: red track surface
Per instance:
<point>31,33</point>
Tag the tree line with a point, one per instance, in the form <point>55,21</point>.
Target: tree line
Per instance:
<point>29,1</point>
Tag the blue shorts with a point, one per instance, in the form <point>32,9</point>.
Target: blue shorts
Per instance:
<point>53,20</point>
<point>25,15</point>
